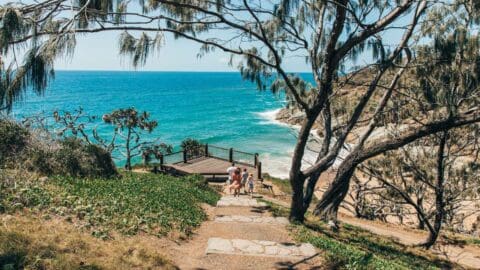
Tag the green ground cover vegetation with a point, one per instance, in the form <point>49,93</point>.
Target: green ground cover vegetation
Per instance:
<point>133,203</point>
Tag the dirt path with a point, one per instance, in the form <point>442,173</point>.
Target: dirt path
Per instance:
<point>242,237</point>
<point>467,256</point>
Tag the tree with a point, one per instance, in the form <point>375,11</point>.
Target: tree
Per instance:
<point>445,86</point>
<point>155,150</point>
<point>436,177</point>
<point>264,35</point>
<point>129,125</point>
<point>193,147</point>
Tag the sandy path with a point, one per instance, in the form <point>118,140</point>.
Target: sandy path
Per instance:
<point>192,253</point>
<point>468,256</point>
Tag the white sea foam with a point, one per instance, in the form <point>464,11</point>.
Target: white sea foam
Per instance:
<point>270,118</point>
<point>276,166</point>
<point>279,165</point>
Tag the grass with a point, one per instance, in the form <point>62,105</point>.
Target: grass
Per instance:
<point>152,204</point>
<point>284,186</point>
<point>30,242</point>
<point>473,241</point>
<point>456,239</point>
<point>69,223</point>
<point>355,248</point>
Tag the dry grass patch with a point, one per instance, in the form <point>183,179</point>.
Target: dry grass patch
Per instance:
<point>31,242</point>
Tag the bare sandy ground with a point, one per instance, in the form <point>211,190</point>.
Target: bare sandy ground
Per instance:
<point>191,254</point>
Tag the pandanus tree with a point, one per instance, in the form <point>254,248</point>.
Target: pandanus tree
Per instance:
<point>129,125</point>
<point>193,147</point>
<point>261,36</point>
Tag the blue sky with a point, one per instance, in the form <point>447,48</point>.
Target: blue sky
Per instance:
<point>100,52</point>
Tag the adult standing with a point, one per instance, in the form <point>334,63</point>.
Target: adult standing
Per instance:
<point>231,170</point>
<point>236,182</point>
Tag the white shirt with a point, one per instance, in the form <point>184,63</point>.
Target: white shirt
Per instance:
<point>230,171</point>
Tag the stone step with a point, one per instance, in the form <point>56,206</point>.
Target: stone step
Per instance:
<point>239,201</point>
<point>252,219</point>
<point>259,248</point>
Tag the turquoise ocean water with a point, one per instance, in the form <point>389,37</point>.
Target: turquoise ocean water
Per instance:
<point>216,108</point>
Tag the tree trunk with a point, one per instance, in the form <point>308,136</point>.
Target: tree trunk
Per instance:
<point>421,223</point>
<point>297,180</point>
<point>330,202</point>
<point>439,190</point>
<point>128,163</point>
<point>297,212</point>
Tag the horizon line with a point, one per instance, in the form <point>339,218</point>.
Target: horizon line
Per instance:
<point>192,71</point>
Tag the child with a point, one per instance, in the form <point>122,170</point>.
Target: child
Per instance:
<point>244,180</point>
<point>250,183</point>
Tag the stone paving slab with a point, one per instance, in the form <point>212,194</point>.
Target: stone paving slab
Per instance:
<point>259,248</point>
<point>239,201</point>
<point>252,219</point>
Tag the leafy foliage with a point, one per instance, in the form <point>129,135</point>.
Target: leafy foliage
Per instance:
<point>135,203</point>
<point>152,204</point>
<point>14,139</point>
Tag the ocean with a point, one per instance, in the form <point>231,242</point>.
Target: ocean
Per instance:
<point>218,108</point>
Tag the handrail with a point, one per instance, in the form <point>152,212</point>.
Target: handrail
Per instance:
<point>204,151</point>
<point>216,146</point>
<point>241,152</point>
<point>173,153</point>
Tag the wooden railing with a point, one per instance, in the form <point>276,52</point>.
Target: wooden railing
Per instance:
<point>227,154</point>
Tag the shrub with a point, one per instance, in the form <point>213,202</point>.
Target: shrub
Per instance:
<point>75,158</point>
<point>39,160</point>
<point>21,148</point>
<point>69,157</point>
<point>101,163</point>
<point>13,140</point>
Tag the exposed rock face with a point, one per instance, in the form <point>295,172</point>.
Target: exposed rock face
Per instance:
<point>295,117</point>
<point>291,117</point>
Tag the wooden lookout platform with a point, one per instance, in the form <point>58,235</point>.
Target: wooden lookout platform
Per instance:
<point>211,162</point>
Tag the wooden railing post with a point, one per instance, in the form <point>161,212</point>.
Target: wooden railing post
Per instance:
<point>259,170</point>
<point>255,160</point>
<point>161,159</point>
<point>230,155</point>
<point>206,149</point>
<point>184,156</point>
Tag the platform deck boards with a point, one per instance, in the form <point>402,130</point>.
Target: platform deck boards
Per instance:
<point>209,165</point>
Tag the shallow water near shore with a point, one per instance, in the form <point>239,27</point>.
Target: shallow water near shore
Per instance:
<point>214,107</point>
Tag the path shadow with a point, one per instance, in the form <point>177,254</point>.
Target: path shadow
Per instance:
<point>289,265</point>
<point>259,209</point>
